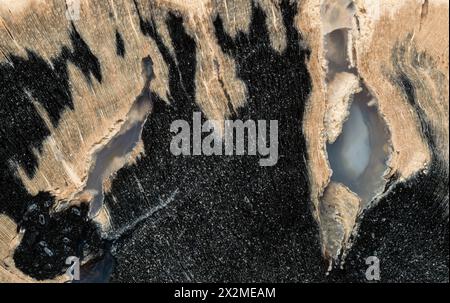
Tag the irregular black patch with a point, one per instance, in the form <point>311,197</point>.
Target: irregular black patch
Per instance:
<point>24,80</point>
<point>22,130</point>
<point>409,65</point>
<point>50,238</point>
<point>406,85</point>
<point>408,89</point>
<point>226,218</point>
<point>82,57</point>
<point>120,45</point>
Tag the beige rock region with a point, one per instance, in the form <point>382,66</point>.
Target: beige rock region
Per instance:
<point>388,38</point>
<point>43,27</point>
<point>338,210</point>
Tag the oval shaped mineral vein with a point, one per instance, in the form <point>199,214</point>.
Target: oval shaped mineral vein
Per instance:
<point>349,155</point>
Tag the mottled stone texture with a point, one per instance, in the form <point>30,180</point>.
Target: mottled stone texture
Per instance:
<point>230,219</point>
<point>202,218</point>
